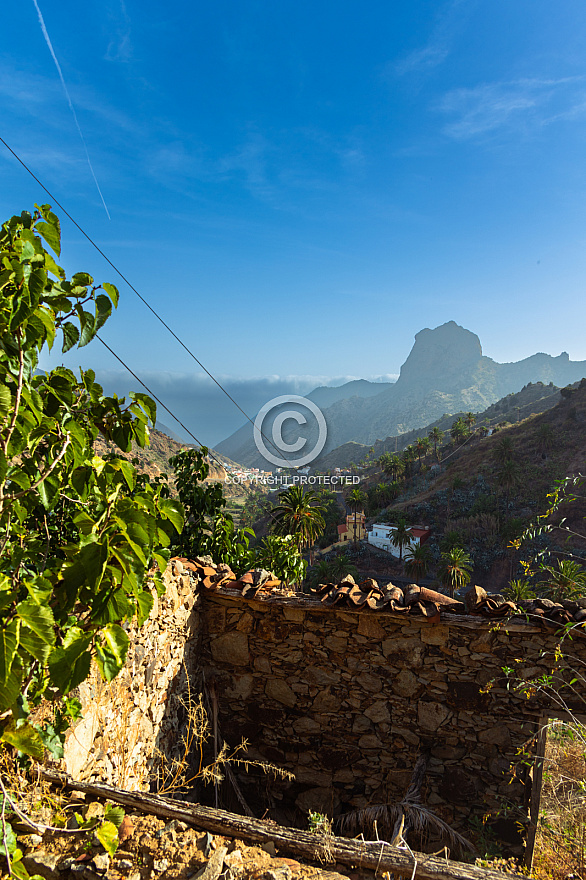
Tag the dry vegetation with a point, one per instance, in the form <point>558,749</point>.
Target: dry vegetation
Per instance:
<point>560,851</point>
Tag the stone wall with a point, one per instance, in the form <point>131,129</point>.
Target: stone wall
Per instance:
<point>130,722</point>
<point>347,699</point>
<point>344,699</point>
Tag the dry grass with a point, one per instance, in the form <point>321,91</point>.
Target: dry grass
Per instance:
<point>560,850</point>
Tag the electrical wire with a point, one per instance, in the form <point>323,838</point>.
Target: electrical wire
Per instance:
<point>141,298</point>
<point>159,401</point>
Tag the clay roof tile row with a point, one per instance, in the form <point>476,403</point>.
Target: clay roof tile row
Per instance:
<point>412,599</point>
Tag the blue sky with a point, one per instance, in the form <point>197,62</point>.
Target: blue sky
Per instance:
<point>300,187</point>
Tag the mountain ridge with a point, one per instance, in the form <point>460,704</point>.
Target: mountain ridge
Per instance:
<point>445,372</point>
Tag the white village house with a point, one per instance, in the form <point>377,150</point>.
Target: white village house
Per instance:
<point>381,536</point>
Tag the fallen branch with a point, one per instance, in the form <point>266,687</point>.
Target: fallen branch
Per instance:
<point>364,854</point>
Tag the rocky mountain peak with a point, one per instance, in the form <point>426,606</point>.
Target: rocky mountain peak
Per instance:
<point>441,354</point>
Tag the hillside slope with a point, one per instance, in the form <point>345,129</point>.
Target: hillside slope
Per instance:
<point>466,497</point>
<point>534,398</point>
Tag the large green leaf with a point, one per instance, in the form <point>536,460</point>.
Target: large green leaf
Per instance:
<point>112,292</point>
<point>88,328</point>
<point>51,232</point>
<point>144,602</point>
<point>53,741</point>
<point>70,336</point>
<point>25,738</point>
<point>87,568</point>
<point>10,689</point>
<point>172,510</point>
<point>9,634</point>
<point>11,841</point>
<point>103,310</point>
<point>147,403</point>
<point>82,279</point>
<point>111,652</point>
<point>128,471</point>
<point>69,664</point>
<point>110,606</point>
<point>5,403</point>
<point>107,834</point>
<point>52,266</point>
<point>39,618</point>
<point>35,646</point>
<point>36,282</point>
<point>48,491</point>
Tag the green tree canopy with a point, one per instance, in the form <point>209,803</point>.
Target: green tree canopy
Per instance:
<point>78,533</point>
<point>417,562</point>
<point>299,513</point>
<point>455,569</point>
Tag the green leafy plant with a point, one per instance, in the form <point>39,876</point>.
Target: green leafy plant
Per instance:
<point>455,568</point>
<point>281,555</point>
<point>78,533</point>
<point>210,530</point>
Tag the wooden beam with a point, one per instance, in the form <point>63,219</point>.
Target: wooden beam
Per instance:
<point>374,855</point>
<point>536,787</point>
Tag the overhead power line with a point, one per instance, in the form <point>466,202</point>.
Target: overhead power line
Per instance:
<point>159,401</point>
<point>133,288</point>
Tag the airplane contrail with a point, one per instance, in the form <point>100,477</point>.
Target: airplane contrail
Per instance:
<point>69,101</point>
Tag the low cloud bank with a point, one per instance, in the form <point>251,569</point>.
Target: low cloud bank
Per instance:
<point>204,408</point>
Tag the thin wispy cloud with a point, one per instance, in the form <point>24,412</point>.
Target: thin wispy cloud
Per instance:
<point>439,45</point>
<point>69,101</point>
<point>120,47</point>
<point>526,102</point>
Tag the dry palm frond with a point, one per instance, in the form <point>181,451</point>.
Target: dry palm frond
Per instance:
<point>418,818</point>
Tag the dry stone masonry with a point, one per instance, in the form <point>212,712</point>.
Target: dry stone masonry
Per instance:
<point>347,699</point>
<point>344,697</point>
<point>139,717</point>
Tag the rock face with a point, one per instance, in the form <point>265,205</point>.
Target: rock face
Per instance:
<point>445,372</point>
<point>446,353</point>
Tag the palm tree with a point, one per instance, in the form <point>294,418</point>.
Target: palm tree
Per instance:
<point>397,466</point>
<point>508,476</point>
<point>545,435</point>
<point>382,493</point>
<point>503,450</point>
<point>341,566</point>
<point>356,499</point>
<point>417,562</point>
<point>299,514</point>
<point>320,573</point>
<point>459,431</point>
<point>385,463</point>
<point>401,536</point>
<point>436,436</point>
<point>408,455</point>
<point>470,420</point>
<point>567,581</point>
<point>422,447</point>
<point>455,569</point>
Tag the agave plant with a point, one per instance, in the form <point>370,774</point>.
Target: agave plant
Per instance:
<point>519,590</point>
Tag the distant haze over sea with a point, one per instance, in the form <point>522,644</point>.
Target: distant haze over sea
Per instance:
<point>205,409</point>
